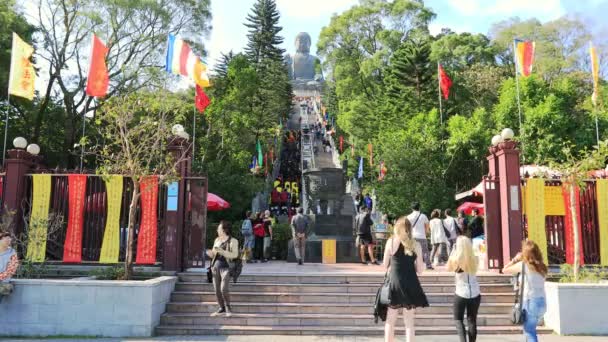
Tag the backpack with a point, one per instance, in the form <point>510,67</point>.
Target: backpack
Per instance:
<point>258,230</point>
<point>235,266</point>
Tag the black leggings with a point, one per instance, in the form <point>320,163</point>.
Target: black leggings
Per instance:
<point>258,248</point>
<point>471,305</point>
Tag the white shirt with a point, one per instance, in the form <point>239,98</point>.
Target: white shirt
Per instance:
<point>451,224</point>
<point>467,285</point>
<point>535,284</point>
<point>437,233</point>
<point>418,229</point>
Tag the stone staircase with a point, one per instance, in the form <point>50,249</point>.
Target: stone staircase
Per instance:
<point>322,304</point>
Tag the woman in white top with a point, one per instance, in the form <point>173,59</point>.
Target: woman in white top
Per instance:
<point>225,249</point>
<point>439,240</point>
<point>534,302</point>
<point>467,295</point>
<point>452,226</point>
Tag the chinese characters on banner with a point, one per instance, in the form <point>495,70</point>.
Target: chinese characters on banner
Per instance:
<point>72,248</point>
<point>148,230</point>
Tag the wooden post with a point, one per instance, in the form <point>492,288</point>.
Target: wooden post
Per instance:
<point>18,164</point>
<point>492,222</point>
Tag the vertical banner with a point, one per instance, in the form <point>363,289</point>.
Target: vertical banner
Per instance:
<point>601,190</point>
<point>148,230</point>
<point>535,193</point>
<point>110,248</point>
<point>41,200</point>
<point>569,227</point>
<point>72,248</point>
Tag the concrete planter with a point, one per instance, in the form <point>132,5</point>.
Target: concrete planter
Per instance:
<point>577,309</point>
<point>40,307</point>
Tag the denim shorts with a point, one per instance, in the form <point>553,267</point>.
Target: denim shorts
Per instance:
<point>248,241</point>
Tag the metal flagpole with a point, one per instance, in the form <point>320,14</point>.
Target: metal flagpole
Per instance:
<point>193,134</point>
<point>8,109</point>
<point>439,92</point>
<point>597,127</point>
<point>84,117</point>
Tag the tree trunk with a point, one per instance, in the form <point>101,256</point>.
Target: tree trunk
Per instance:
<point>131,230</point>
<point>577,242</point>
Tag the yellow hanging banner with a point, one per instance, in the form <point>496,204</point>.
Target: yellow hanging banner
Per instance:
<point>535,201</point>
<point>110,247</point>
<point>39,218</point>
<point>554,201</point>
<point>329,251</point>
<point>601,189</point>
<point>22,74</point>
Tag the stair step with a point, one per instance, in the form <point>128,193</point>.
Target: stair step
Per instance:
<point>322,308</point>
<point>256,319</point>
<point>328,298</point>
<point>342,288</point>
<point>346,278</point>
<point>323,330</point>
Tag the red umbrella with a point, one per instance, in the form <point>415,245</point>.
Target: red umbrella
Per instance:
<point>469,206</point>
<point>216,203</point>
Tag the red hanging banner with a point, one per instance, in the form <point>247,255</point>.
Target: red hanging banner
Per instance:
<point>72,248</point>
<point>568,225</point>
<point>148,229</point>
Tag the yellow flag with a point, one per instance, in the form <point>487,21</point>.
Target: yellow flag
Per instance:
<point>39,218</point>
<point>595,72</point>
<point>22,77</point>
<point>110,248</point>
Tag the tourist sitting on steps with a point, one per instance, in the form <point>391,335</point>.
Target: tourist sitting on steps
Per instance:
<point>9,262</point>
<point>364,223</point>
<point>225,248</point>
<point>299,226</point>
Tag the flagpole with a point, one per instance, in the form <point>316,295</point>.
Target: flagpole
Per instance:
<point>439,92</point>
<point>518,100</point>
<point>8,108</point>
<point>193,133</point>
<point>597,127</point>
<point>84,116</point>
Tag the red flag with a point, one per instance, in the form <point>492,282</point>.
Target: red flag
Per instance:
<point>98,79</point>
<point>200,99</point>
<point>445,83</point>
<point>341,144</point>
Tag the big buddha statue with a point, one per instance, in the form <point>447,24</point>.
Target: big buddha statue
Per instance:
<point>302,65</point>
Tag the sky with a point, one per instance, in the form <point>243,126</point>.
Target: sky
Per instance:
<point>311,16</point>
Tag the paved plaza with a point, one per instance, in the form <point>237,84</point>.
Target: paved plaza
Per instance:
<point>261,338</point>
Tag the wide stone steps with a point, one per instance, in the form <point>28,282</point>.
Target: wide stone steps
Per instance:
<point>327,297</point>
<point>342,288</point>
<point>321,308</point>
<point>257,319</point>
<point>353,330</point>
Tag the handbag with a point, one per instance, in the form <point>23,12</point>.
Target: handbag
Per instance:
<point>384,291</point>
<point>235,266</point>
<point>518,314</point>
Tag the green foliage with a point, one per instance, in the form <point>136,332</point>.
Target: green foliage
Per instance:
<point>263,39</point>
<point>108,273</point>
<point>590,275</point>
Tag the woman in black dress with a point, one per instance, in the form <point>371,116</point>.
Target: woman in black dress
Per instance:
<point>403,260</point>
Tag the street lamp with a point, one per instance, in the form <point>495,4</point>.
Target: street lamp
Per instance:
<point>507,134</point>
<point>33,149</point>
<point>497,139</point>
<point>20,143</point>
<point>176,129</point>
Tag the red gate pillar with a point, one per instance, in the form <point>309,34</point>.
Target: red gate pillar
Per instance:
<point>510,199</point>
<point>175,214</point>
<point>491,203</point>
<point>18,164</point>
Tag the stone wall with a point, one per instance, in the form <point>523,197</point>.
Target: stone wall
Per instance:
<point>40,307</point>
<point>577,309</point>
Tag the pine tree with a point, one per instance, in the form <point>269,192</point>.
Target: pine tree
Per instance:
<point>263,36</point>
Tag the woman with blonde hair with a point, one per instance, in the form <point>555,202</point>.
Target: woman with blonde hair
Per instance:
<point>530,261</point>
<point>467,295</point>
<point>403,262</point>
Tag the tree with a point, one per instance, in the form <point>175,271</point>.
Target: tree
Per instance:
<point>137,130</point>
<point>135,33</point>
<point>263,37</point>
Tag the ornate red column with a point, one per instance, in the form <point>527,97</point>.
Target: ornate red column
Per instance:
<point>18,164</point>
<point>510,199</point>
<point>491,204</point>
<point>176,205</point>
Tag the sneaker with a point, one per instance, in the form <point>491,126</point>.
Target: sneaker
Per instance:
<point>376,262</point>
<point>218,312</point>
<point>299,261</point>
<point>263,260</point>
<point>228,311</point>
<point>364,262</point>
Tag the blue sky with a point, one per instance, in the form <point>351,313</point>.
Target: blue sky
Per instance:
<point>477,16</point>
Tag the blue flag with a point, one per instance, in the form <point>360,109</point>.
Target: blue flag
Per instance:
<point>360,173</point>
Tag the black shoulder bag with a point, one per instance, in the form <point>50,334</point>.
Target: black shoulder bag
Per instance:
<point>518,314</point>
<point>445,230</point>
<point>235,266</point>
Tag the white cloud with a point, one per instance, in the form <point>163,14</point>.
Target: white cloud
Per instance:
<point>313,8</point>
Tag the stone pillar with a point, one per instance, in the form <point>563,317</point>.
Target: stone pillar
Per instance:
<point>18,164</point>
<point>510,199</point>
<point>491,203</point>
<point>174,216</point>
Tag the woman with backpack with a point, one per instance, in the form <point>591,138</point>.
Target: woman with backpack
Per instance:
<point>467,296</point>
<point>225,249</point>
<point>529,262</point>
<point>403,261</point>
